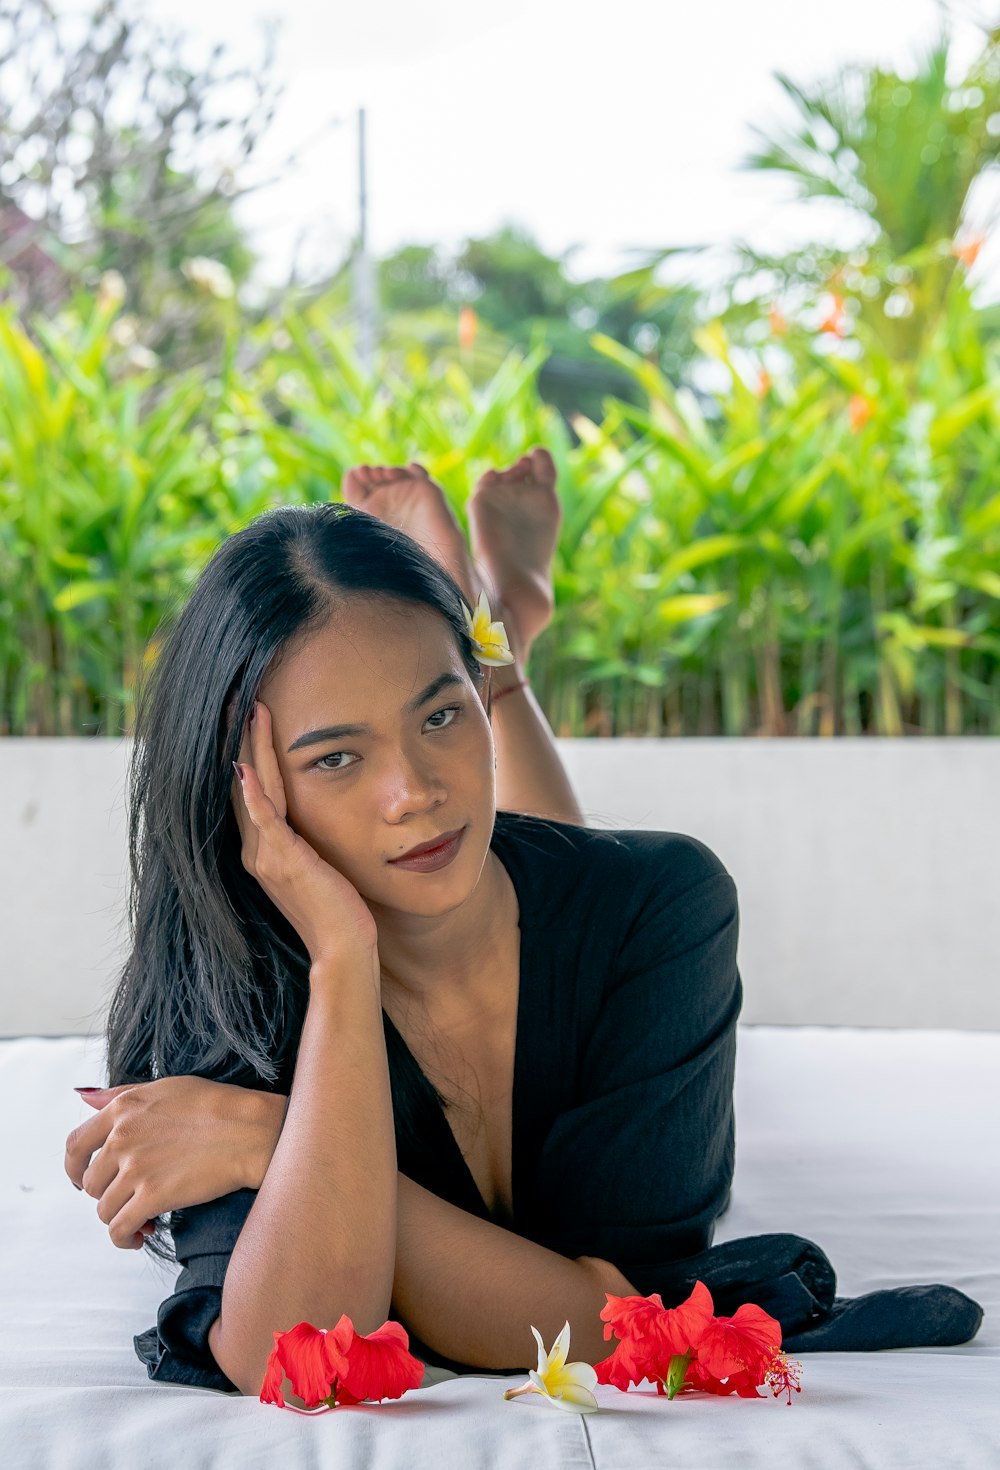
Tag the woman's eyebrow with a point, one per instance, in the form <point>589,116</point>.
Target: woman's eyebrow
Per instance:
<point>337,732</point>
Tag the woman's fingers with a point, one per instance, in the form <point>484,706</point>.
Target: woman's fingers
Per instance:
<point>99,1174</point>
<point>257,753</point>
<point>85,1143</point>
<point>120,1210</point>
<point>248,832</point>
<point>103,1180</point>
<point>271,838</point>
<point>265,761</point>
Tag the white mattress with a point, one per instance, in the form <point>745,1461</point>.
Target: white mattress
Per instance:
<point>879,1145</point>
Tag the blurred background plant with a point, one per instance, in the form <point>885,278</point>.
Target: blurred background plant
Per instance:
<point>119,152</point>
<point>780,503</point>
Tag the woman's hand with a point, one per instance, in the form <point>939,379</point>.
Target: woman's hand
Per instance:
<point>324,908</point>
<point>169,1143</point>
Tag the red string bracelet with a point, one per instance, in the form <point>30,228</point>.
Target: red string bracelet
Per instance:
<point>521,683</point>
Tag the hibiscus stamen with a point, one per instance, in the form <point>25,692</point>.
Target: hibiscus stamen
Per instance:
<point>782,1375</point>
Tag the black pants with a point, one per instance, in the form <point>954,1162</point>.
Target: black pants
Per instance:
<point>792,1280</point>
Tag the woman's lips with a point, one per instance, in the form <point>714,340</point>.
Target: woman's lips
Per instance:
<point>428,862</point>
<point>424,848</point>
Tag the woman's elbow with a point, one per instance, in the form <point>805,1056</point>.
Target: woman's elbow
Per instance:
<point>246,1369</point>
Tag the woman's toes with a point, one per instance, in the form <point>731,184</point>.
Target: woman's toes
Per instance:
<point>543,463</point>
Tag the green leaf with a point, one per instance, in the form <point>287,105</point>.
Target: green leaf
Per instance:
<point>687,606</point>
<point>954,420</point>
<point>700,553</point>
<point>78,593</point>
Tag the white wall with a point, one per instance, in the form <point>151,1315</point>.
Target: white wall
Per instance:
<point>868,870</point>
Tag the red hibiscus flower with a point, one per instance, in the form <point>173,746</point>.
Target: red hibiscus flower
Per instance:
<point>736,1349</point>
<point>688,1348</point>
<point>779,1373</point>
<point>744,1342</point>
<point>651,1334</point>
<point>340,1366</point>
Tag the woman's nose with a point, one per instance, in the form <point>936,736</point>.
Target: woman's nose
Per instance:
<point>415,787</point>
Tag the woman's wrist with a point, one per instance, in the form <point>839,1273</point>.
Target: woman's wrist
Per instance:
<point>498,694</point>
<point>508,678</point>
<point>267,1118</point>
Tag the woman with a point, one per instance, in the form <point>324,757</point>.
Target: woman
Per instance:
<point>472,1096</point>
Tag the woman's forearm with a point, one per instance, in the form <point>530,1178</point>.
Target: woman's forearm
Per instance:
<point>472,1290</point>
<point>468,1288</point>
<point>531,777</point>
<point>320,1239</point>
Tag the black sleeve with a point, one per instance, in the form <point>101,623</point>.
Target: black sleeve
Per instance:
<point>640,1168</point>
<point>176,1350</point>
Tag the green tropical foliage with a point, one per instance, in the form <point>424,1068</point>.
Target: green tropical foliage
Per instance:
<point>901,155</point>
<point>523,297</point>
<point>902,152</point>
<point>817,556</point>
<point>780,518</point>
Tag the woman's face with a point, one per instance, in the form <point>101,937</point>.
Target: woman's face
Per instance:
<point>364,798</point>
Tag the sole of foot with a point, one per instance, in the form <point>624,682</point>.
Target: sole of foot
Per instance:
<point>406,497</point>
<point>514,521</point>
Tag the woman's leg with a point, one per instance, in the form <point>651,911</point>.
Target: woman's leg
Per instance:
<point>514,519</point>
<point>531,777</point>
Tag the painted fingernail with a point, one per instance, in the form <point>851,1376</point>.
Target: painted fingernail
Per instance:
<point>86,1089</point>
<point>76,1186</point>
<point>239,771</point>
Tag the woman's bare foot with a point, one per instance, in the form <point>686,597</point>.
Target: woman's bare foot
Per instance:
<point>410,500</point>
<point>514,520</point>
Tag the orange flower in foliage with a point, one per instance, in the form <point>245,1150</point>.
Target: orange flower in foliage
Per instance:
<point>468,324</point>
<point>778,323</point>
<point>340,1366</point>
<point>859,411</point>
<point>969,252</point>
<point>835,320</point>
<point>689,1348</point>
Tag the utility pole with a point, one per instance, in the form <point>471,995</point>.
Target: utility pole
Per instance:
<point>365,304</point>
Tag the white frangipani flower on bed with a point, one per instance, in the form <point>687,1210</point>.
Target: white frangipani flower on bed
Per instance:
<point>565,1385</point>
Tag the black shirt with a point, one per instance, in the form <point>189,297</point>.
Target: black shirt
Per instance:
<point>622,1112</point>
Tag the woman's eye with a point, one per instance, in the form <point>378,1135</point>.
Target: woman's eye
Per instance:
<point>321,763</point>
<point>451,709</point>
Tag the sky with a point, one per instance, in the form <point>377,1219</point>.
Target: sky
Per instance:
<point>609,127</point>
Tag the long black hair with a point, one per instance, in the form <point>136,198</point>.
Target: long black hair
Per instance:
<point>217,981</point>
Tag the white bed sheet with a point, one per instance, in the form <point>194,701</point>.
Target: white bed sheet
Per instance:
<point>879,1145</point>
